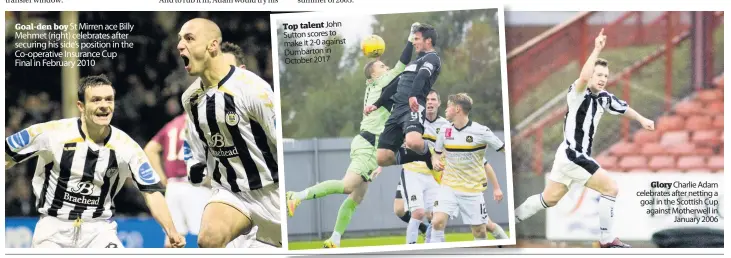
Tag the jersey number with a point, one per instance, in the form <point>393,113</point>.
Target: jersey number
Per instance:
<point>173,138</point>
<point>416,116</point>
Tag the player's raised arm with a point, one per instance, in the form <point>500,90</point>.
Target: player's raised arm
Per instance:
<point>588,69</point>
<point>25,144</point>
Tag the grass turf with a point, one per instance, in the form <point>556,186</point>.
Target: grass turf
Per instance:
<point>379,241</point>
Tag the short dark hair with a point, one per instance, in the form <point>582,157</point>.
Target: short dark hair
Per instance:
<point>91,81</point>
<point>428,32</point>
<point>231,48</point>
<point>368,69</point>
<point>435,92</point>
<point>601,62</point>
<point>462,100</point>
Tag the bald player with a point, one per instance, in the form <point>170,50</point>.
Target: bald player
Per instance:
<point>231,134</point>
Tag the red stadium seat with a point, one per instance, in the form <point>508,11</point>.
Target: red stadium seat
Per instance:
<point>607,162</point>
<point>689,108</point>
<point>704,151</point>
<point>623,148</point>
<point>674,138</point>
<point>633,162</point>
<point>684,149</point>
<point>710,95</point>
<point>662,162</point>
<point>718,122</point>
<point>691,163</point>
<point>708,138</point>
<point>645,136</point>
<point>670,123</point>
<point>715,163</point>
<point>653,149</point>
<point>714,108</point>
<point>696,123</point>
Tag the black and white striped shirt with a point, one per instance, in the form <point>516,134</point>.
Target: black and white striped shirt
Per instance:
<point>75,177</point>
<point>582,119</point>
<point>231,128</point>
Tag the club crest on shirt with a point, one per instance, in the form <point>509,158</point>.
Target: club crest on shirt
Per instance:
<point>469,139</point>
<point>232,118</point>
<point>111,172</point>
<point>438,130</point>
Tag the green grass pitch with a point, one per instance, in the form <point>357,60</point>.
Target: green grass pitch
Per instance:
<point>379,241</point>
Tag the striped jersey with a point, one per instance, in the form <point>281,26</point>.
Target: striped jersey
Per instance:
<point>464,153</point>
<point>75,177</point>
<point>231,128</point>
<point>582,118</point>
<point>431,129</point>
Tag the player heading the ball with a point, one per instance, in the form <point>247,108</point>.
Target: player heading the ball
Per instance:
<point>363,167</point>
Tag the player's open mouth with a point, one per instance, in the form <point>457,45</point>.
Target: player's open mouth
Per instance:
<point>103,115</point>
<point>186,61</point>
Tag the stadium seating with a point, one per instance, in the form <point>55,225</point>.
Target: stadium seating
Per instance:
<point>687,139</point>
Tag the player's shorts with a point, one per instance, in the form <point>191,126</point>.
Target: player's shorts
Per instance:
<point>186,203</point>
<point>399,123</point>
<point>52,232</point>
<point>261,206</point>
<point>363,155</point>
<point>575,169</point>
<point>419,190</point>
<point>471,206</point>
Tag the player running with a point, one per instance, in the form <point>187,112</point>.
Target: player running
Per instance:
<point>587,101</point>
<point>231,133</point>
<point>419,185</point>
<point>464,145</point>
<point>363,167</point>
<point>405,126</point>
<point>82,164</point>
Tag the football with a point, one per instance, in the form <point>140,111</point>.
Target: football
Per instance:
<point>373,46</point>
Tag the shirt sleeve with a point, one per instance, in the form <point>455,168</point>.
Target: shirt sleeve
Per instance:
<point>27,143</point>
<point>439,143</point>
<point>142,172</point>
<point>614,105</point>
<point>259,107</point>
<point>492,141</point>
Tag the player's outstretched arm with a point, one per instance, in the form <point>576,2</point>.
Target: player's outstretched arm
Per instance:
<point>634,115</point>
<point>588,69</point>
<point>496,191</point>
<point>160,211</point>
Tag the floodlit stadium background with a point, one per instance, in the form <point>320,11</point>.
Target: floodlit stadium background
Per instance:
<point>149,80</point>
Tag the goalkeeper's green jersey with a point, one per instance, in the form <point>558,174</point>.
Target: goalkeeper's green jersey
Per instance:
<point>376,120</point>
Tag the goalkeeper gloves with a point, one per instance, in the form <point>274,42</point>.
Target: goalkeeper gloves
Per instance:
<point>414,27</point>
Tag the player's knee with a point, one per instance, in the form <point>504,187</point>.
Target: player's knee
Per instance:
<point>417,214</point>
<point>414,141</point>
<point>208,239</point>
<point>356,198</point>
<point>384,158</point>
<point>490,226</point>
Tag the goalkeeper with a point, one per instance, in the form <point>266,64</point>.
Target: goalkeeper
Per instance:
<point>363,166</point>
